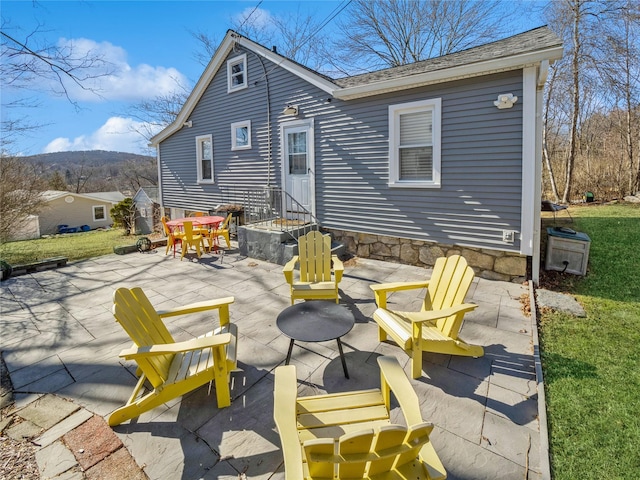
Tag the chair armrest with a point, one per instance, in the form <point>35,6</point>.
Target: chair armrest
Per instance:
<point>196,307</point>
<point>398,286</point>
<point>179,347</point>
<point>288,269</point>
<point>381,290</point>
<point>395,379</point>
<point>285,394</point>
<point>338,267</point>
<point>431,315</point>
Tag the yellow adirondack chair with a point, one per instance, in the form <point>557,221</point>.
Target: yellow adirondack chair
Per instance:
<point>173,368</point>
<point>315,281</point>
<point>436,327</point>
<point>349,435</point>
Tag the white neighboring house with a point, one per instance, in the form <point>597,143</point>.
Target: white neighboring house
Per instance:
<point>80,211</point>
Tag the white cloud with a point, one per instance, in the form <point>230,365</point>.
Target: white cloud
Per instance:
<point>117,134</point>
<point>114,78</point>
<point>258,17</point>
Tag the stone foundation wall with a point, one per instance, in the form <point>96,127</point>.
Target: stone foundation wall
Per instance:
<point>489,264</point>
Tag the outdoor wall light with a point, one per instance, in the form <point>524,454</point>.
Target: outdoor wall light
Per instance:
<point>188,124</point>
<point>290,110</point>
<point>505,100</point>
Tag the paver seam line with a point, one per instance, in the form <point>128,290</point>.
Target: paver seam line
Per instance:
<point>545,465</point>
<point>65,367</point>
<point>497,454</point>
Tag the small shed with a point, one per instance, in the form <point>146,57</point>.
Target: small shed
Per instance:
<point>147,210</point>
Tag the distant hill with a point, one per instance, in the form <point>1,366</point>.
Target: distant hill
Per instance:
<point>88,157</point>
<point>95,171</point>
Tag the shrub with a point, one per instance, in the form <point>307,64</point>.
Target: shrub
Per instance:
<point>124,215</point>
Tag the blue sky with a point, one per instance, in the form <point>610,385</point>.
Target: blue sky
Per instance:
<point>149,44</point>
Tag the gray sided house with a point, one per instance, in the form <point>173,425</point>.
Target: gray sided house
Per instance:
<point>76,210</point>
<point>147,210</point>
<point>404,164</point>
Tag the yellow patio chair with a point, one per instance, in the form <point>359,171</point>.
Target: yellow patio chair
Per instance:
<point>173,238</point>
<point>349,435</point>
<point>197,229</point>
<point>315,280</point>
<point>191,239</point>
<point>173,368</point>
<point>221,231</point>
<point>436,326</point>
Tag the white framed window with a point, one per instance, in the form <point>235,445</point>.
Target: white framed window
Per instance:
<point>237,73</point>
<point>414,144</point>
<point>99,213</point>
<point>241,135</point>
<point>204,157</point>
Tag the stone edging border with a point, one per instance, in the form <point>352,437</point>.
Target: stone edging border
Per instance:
<point>545,465</point>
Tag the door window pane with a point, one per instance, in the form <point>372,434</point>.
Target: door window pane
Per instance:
<point>297,150</point>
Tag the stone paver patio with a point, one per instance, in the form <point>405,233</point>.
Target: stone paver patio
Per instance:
<point>58,336</point>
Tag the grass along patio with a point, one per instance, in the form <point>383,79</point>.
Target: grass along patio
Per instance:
<point>592,365</point>
<point>74,246</point>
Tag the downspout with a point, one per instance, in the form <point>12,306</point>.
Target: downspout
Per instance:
<point>160,196</point>
<point>266,84</point>
<point>535,267</point>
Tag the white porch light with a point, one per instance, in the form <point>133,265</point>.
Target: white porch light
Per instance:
<point>290,110</point>
<point>505,100</point>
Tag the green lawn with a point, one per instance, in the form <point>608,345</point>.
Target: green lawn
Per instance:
<point>74,246</point>
<point>592,365</point>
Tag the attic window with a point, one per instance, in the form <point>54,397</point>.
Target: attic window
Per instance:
<point>237,73</point>
<point>414,144</point>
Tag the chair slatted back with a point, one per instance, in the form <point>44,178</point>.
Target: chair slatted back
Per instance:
<point>314,252</point>
<point>167,230</point>
<point>225,224</point>
<point>134,312</point>
<point>448,286</point>
<point>369,453</point>
<point>187,228</point>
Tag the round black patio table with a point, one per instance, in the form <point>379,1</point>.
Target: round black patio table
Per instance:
<point>316,321</point>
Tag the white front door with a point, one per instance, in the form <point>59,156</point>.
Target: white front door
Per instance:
<point>298,166</point>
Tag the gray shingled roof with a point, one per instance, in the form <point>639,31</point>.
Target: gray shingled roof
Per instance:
<point>534,40</point>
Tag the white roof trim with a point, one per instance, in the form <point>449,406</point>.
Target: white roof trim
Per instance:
<point>50,195</point>
<point>218,60</point>
<point>451,73</point>
<point>296,69</point>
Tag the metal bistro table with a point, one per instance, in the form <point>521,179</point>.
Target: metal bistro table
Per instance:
<point>316,321</point>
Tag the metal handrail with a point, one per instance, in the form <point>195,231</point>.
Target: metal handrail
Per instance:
<point>274,209</point>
